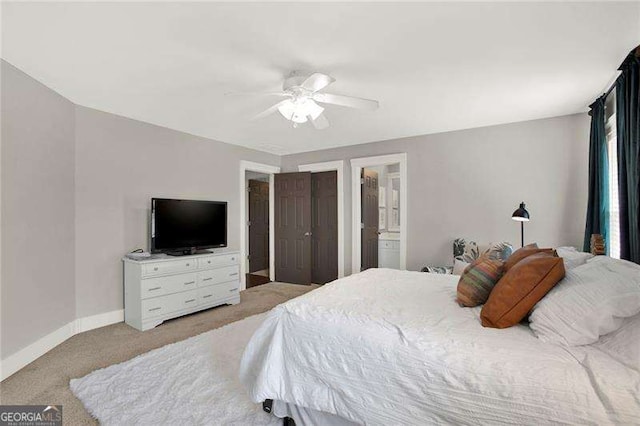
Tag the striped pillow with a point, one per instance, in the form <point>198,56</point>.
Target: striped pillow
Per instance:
<point>477,281</point>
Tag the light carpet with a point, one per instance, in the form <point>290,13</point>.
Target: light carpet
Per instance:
<point>194,381</point>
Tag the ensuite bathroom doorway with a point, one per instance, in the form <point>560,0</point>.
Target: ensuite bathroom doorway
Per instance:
<point>379,204</point>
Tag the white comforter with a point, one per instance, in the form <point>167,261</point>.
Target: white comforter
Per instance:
<point>393,347</point>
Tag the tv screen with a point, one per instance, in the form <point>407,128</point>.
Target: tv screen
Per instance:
<point>182,225</point>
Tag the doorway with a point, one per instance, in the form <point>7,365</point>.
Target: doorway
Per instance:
<point>370,217</point>
<point>258,229</point>
<point>379,188</point>
<point>380,200</point>
<point>306,227</point>
<point>250,170</point>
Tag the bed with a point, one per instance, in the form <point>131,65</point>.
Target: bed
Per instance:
<point>392,347</point>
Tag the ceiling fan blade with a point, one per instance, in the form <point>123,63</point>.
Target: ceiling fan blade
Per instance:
<point>270,110</point>
<point>347,101</point>
<point>320,122</point>
<point>317,81</point>
<point>281,94</point>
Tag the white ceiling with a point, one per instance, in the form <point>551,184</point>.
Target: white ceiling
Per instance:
<point>434,67</point>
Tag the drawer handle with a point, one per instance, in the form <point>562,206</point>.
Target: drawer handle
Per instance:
<point>207,295</point>
<point>208,261</point>
<point>207,279</point>
<point>155,288</point>
<point>234,289</point>
<point>187,264</point>
<point>154,309</point>
<point>155,269</point>
<point>190,300</point>
<point>190,282</point>
<point>234,274</point>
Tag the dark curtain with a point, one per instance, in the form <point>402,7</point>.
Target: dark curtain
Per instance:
<point>628,129</point>
<point>598,204</point>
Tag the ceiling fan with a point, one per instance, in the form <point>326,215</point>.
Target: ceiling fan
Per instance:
<point>302,91</point>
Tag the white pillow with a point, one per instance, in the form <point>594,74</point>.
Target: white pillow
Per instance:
<point>592,300</point>
<point>459,266</point>
<point>573,258</point>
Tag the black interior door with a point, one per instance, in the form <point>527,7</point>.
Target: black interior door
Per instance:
<point>370,212</point>
<point>324,229</point>
<point>293,227</point>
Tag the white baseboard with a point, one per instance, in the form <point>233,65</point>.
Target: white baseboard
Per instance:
<point>100,320</point>
<point>24,356</point>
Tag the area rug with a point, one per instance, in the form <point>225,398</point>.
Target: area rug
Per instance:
<point>192,382</point>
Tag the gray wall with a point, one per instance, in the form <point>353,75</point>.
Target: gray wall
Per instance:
<point>122,163</point>
<point>76,189</point>
<point>467,183</point>
<point>38,222</point>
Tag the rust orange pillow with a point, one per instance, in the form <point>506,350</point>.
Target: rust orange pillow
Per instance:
<point>524,252</point>
<point>520,289</point>
<point>477,281</point>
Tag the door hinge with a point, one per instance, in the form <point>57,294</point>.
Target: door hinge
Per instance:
<point>248,257</point>
<point>248,223</point>
<point>248,189</point>
<point>361,181</point>
<point>361,225</point>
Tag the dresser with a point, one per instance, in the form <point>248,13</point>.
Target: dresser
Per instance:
<point>166,287</point>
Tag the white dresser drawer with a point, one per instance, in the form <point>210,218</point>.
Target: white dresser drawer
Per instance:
<point>217,292</point>
<point>157,306</point>
<point>217,261</point>
<point>222,291</point>
<point>207,294</point>
<point>186,300</point>
<point>217,276</point>
<point>174,266</point>
<point>153,287</point>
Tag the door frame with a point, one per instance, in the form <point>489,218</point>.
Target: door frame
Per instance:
<point>357,164</point>
<point>270,170</point>
<point>329,166</point>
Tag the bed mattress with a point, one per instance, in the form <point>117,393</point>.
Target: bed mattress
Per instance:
<point>392,347</point>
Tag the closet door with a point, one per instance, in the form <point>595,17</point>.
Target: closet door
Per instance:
<point>370,212</point>
<point>324,229</point>
<point>293,227</point>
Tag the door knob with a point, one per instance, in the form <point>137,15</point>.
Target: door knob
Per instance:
<point>306,234</point>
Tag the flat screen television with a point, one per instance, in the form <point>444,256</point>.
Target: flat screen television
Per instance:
<point>187,226</point>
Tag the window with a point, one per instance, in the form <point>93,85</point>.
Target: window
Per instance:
<point>612,153</point>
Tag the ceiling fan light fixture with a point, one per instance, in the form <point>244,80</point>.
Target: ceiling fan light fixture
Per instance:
<point>299,109</point>
<point>302,91</point>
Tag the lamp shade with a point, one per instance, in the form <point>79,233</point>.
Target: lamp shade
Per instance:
<point>521,215</point>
